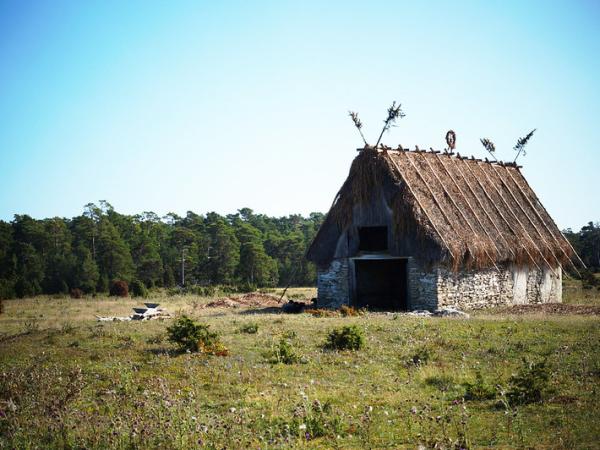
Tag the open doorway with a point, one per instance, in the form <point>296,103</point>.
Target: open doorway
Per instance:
<point>381,284</point>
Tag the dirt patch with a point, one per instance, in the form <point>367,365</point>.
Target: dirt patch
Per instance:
<point>551,308</point>
<point>253,299</point>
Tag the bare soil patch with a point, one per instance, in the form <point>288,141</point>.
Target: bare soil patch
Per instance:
<point>253,299</point>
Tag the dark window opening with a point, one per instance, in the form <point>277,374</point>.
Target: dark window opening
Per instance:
<point>381,284</point>
<point>372,239</point>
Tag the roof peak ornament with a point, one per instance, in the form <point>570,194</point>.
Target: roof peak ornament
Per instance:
<point>451,141</point>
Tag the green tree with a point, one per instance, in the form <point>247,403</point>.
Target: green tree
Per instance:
<point>224,251</point>
<point>85,275</point>
<point>113,254</point>
<point>255,266</point>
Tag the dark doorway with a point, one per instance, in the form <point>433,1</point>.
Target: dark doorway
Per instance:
<point>381,284</point>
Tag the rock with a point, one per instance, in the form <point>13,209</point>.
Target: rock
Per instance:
<point>450,312</point>
<point>421,313</point>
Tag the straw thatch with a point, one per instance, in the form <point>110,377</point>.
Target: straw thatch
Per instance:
<point>468,213</point>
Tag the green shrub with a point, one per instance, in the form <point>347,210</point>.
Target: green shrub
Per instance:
<point>119,288</point>
<point>284,353</point>
<point>195,337</point>
<point>138,289</point>
<point>479,389</point>
<point>345,338</point>
<point>530,384</point>
<point>249,328</point>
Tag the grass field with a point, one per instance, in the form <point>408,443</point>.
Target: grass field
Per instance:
<point>67,381</point>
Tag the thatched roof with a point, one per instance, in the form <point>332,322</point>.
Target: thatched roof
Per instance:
<point>479,213</point>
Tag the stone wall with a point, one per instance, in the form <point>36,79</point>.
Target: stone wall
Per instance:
<point>439,287</point>
<point>486,288</point>
<point>474,289</point>
<point>422,287</point>
<point>333,288</point>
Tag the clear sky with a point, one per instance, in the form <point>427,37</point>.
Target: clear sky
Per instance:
<point>215,106</point>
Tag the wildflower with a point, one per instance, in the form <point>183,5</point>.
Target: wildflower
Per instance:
<point>232,410</point>
<point>413,410</point>
<point>302,426</point>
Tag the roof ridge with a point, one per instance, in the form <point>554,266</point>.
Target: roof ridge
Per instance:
<point>444,152</point>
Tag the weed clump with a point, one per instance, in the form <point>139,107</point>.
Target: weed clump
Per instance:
<point>530,384</point>
<point>479,389</point>
<point>441,382</point>
<point>119,288</point>
<point>195,337</point>
<point>421,356</point>
<point>316,419</point>
<point>249,328</point>
<point>345,338</point>
<point>138,289</point>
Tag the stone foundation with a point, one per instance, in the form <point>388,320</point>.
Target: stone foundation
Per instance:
<point>440,287</point>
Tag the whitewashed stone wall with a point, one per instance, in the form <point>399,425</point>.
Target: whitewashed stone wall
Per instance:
<point>333,288</point>
<point>486,288</point>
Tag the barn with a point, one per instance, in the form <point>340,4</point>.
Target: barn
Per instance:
<point>411,230</point>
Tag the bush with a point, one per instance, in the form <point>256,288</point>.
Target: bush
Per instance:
<point>530,384</point>
<point>195,337</point>
<point>479,389</point>
<point>345,338</point>
<point>138,289</point>
<point>76,293</point>
<point>119,288</point>
<point>285,353</point>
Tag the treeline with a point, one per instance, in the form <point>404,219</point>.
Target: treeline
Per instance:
<point>586,243</point>
<point>90,251</point>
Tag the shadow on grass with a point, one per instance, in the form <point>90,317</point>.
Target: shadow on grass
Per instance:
<point>265,310</point>
<point>166,351</point>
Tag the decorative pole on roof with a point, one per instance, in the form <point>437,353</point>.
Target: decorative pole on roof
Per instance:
<point>489,146</point>
<point>521,143</point>
<point>358,124</point>
<point>394,112</point>
<point>451,141</point>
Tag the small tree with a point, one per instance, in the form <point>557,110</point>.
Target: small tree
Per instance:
<point>346,338</point>
<point>138,289</point>
<point>195,337</point>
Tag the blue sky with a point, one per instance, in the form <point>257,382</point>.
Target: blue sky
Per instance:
<point>215,106</point>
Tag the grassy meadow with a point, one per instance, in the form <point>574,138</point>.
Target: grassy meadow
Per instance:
<point>67,381</point>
